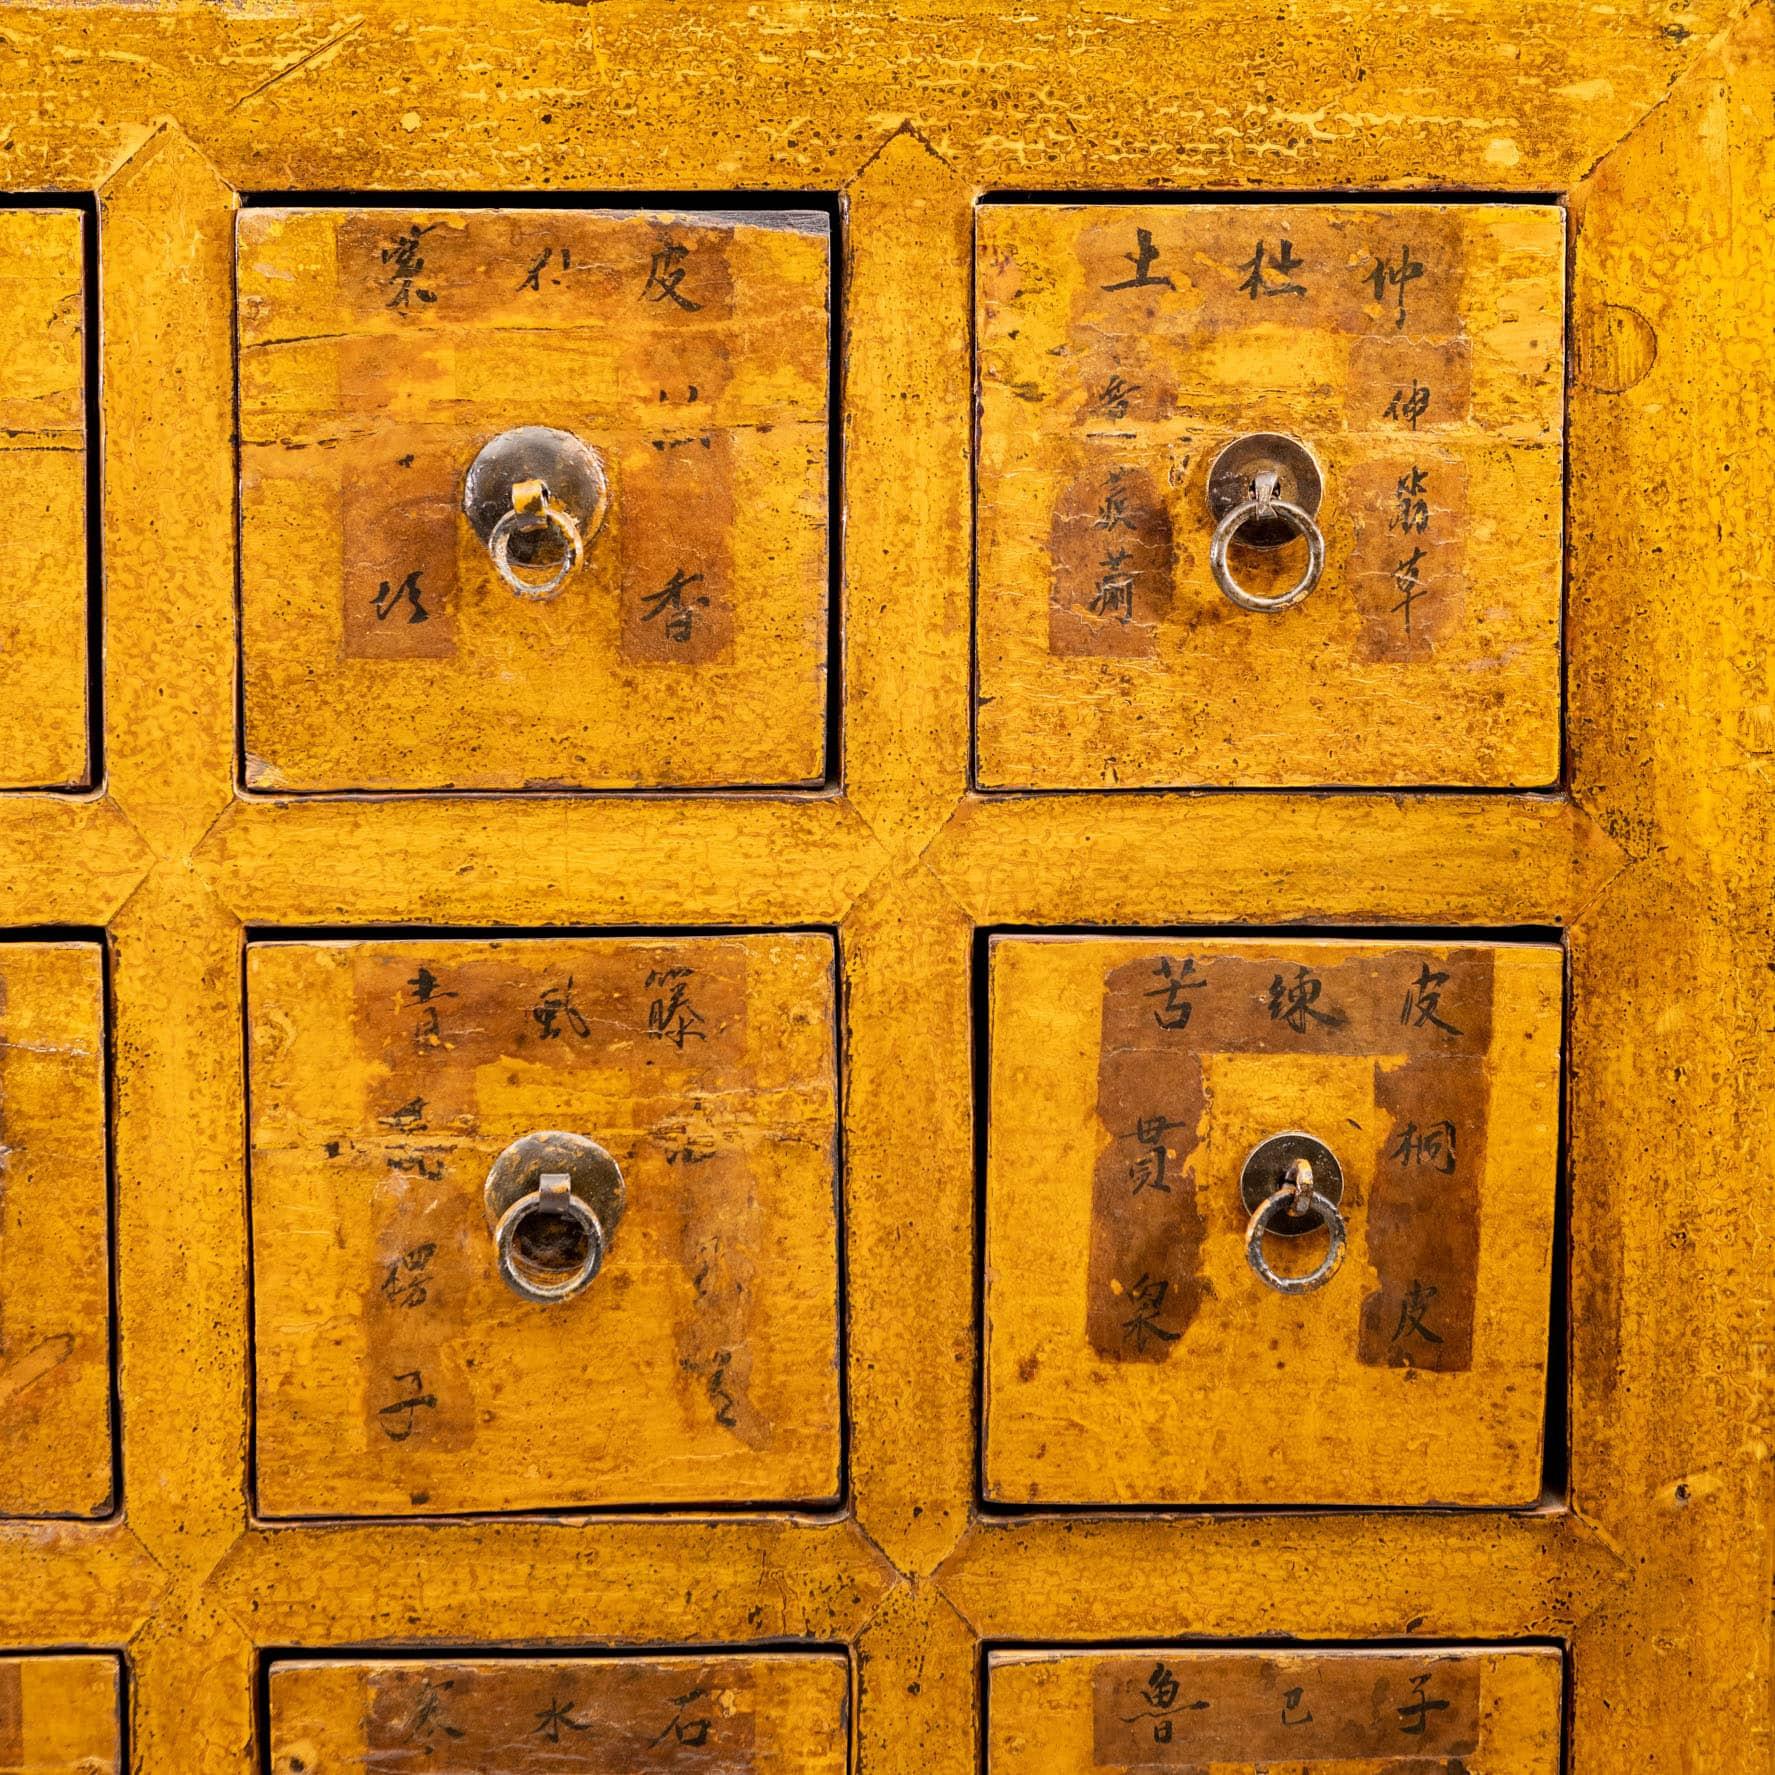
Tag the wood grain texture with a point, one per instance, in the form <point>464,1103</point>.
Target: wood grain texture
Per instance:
<point>1342,1711</point>
<point>1416,349</point>
<point>729,1715</point>
<point>397,1373</point>
<point>55,1239</point>
<point>43,590</point>
<point>1132,1357</point>
<point>60,1715</point>
<point>380,350</point>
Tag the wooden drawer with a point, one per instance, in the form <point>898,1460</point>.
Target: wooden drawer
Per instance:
<point>397,1373</point>
<point>43,578</point>
<point>773,1714</point>
<point>380,350</point>
<point>1133,1354</point>
<point>1492,1710</point>
<point>55,1263</point>
<point>60,1715</point>
<point>1416,350</point>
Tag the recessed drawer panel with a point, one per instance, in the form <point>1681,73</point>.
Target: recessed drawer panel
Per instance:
<point>43,579</point>
<point>59,1715</point>
<point>1397,369</point>
<point>1269,1222</point>
<point>1490,1710</point>
<point>544,1223</point>
<point>55,1263</point>
<point>533,499</point>
<point>773,1713</point>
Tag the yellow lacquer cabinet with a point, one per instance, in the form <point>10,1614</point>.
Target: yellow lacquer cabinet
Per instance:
<point>886,889</point>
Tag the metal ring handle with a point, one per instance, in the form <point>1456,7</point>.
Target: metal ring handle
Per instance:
<point>499,545</point>
<point>1283,1201</point>
<point>1255,507</point>
<point>552,1196</point>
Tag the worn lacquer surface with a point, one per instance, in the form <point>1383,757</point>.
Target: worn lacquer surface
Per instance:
<point>1132,1354</point>
<point>55,1240</point>
<point>397,1373</point>
<point>1417,351</point>
<point>723,1715</point>
<point>43,617</point>
<point>381,349</point>
<point>1489,1711</point>
<point>60,1715</point>
<point>1648,122</point>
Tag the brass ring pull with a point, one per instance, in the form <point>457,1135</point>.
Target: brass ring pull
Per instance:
<point>1291,1185</point>
<point>527,484</point>
<point>553,1202</point>
<point>545,514</point>
<point>1265,488</point>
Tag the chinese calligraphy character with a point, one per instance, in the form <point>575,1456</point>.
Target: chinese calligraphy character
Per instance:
<point>723,1401</point>
<point>691,1731</point>
<point>396,1427</point>
<point>405,1283</point>
<point>1113,514</point>
<point>1291,1709</point>
<point>1408,580</point>
<point>1411,510</point>
<point>671,1016</point>
<point>1409,404</point>
<point>426,993</point>
<point>1142,260</point>
<point>1114,595</point>
<point>1398,276</point>
<point>1174,1013</point>
<point>408,262</point>
<point>1422,998</point>
<point>555,1003</point>
<point>1147,1297</point>
<point>388,599</point>
<point>533,277</point>
<point>408,1117</point>
<point>1256,284</point>
<point>1417,1711</point>
<point>1433,1146</point>
<point>1160,1692</point>
<point>1148,1171</point>
<point>670,598</point>
<point>1411,1314</point>
<point>687,1148</point>
<point>550,1720</point>
<point>666,274</point>
<point>1293,1001</point>
<point>428,1717</point>
<point>1115,397</point>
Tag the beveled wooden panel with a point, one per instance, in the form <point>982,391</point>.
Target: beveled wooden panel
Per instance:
<point>380,349</point>
<point>59,1715</point>
<point>1337,1711</point>
<point>43,714</point>
<point>397,1373</point>
<point>764,1714</point>
<point>1133,1356</point>
<point>1417,349</point>
<point>55,1242</point>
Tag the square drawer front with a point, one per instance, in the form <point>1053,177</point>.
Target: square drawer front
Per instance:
<point>681,362</point>
<point>1410,356</point>
<point>55,1256</point>
<point>1134,1353</point>
<point>60,1714</point>
<point>43,598</point>
<point>1483,1710</point>
<point>638,1307</point>
<point>774,1713</point>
